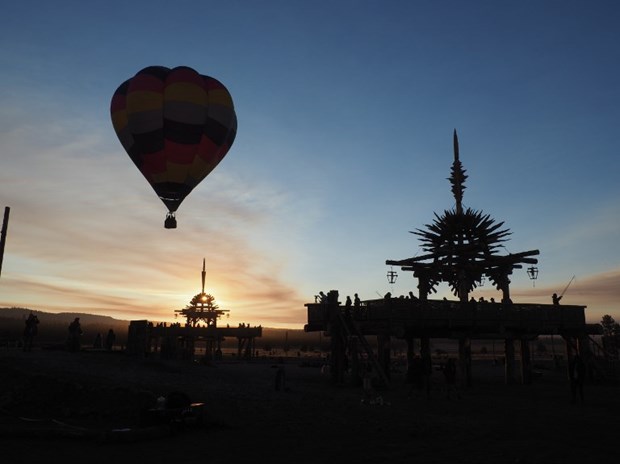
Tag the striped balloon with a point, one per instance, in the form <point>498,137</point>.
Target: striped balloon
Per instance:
<point>176,125</point>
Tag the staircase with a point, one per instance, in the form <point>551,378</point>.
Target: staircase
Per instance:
<point>352,331</point>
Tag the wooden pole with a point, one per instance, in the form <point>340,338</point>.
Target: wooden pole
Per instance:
<point>526,362</point>
<point>5,226</point>
<point>509,361</point>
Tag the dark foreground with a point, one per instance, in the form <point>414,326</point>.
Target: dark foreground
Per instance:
<point>83,407</point>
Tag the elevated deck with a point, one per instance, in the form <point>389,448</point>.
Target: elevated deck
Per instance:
<point>447,319</point>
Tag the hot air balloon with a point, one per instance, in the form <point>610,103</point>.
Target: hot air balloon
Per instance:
<point>176,125</point>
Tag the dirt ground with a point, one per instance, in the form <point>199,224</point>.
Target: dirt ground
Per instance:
<point>84,407</point>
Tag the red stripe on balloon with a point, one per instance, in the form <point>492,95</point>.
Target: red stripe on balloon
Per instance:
<point>153,163</point>
<point>145,82</point>
<point>207,150</point>
<point>180,153</point>
<point>183,74</point>
<point>119,102</point>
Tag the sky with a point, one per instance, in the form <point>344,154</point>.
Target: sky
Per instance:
<point>345,111</point>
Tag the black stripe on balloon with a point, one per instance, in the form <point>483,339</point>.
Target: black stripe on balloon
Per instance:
<point>232,133</point>
<point>149,142</point>
<point>160,72</point>
<point>179,132</point>
<point>172,190</point>
<point>122,89</point>
<point>217,132</point>
<point>136,156</point>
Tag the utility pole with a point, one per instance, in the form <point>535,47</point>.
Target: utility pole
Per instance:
<point>5,226</point>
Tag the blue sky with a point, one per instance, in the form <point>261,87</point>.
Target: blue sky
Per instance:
<point>346,111</point>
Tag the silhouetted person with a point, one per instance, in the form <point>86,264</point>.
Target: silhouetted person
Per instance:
<point>30,331</point>
<point>97,344</point>
<point>412,296</point>
<point>347,309</point>
<point>75,332</point>
<point>357,307</point>
<point>109,340</point>
<point>577,374</point>
<point>280,379</point>
<point>322,297</point>
<point>556,299</point>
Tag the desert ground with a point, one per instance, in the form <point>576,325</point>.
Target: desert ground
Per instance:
<point>84,407</point>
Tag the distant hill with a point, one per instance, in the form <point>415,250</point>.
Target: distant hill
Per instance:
<point>53,329</point>
<point>53,326</point>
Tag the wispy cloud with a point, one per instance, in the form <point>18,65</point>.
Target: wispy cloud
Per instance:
<point>86,233</point>
<point>599,292</point>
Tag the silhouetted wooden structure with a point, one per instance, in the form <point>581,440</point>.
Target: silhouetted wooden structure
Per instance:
<point>181,340</point>
<point>410,319</point>
<point>461,248</point>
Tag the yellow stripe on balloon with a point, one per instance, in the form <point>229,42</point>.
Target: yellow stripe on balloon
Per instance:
<point>187,92</point>
<point>119,120</point>
<point>174,173</point>
<point>199,169</point>
<point>144,101</point>
<point>220,97</point>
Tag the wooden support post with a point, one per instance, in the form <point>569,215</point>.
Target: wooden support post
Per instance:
<point>410,358</point>
<point>354,362</point>
<point>383,353</point>
<point>5,225</point>
<point>465,361</point>
<point>571,350</point>
<point>338,348</point>
<point>427,363</point>
<point>526,362</point>
<point>509,361</point>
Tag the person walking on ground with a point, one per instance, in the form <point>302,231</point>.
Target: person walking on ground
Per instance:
<point>109,340</point>
<point>30,331</point>
<point>75,332</point>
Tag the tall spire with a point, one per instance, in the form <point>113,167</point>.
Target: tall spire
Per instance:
<point>457,177</point>
<point>204,273</point>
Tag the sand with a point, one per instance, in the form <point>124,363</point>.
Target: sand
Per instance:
<point>73,406</point>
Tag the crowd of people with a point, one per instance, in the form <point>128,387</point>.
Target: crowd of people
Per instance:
<point>74,337</point>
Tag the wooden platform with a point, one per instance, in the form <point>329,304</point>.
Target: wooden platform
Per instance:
<point>447,319</point>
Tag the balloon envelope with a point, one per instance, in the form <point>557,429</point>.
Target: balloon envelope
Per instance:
<point>176,125</point>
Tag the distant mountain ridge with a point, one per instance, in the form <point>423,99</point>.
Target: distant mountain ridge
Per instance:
<point>12,323</point>
<point>22,313</point>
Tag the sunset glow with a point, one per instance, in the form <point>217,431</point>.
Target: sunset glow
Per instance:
<point>343,147</point>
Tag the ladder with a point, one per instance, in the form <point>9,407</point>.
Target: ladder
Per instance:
<point>352,330</point>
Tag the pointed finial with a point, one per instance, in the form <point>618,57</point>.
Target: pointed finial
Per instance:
<point>456,146</point>
<point>204,272</point>
<point>458,176</point>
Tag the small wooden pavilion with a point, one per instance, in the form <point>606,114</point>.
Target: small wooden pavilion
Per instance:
<point>181,340</point>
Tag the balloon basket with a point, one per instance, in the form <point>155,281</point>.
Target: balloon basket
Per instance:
<point>170,222</point>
